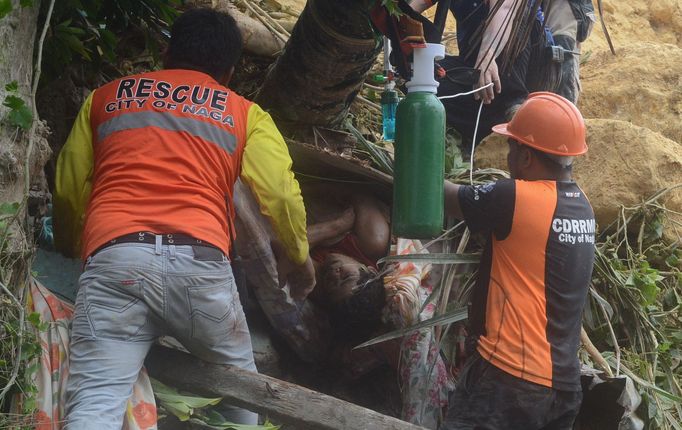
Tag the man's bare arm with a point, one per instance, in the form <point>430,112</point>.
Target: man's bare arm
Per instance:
<point>452,207</point>
<point>420,6</point>
<point>494,40</point>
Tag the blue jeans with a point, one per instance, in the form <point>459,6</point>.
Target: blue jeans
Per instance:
<point>129,295</point>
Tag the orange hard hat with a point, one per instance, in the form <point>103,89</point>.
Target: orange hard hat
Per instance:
<point>548,123</point>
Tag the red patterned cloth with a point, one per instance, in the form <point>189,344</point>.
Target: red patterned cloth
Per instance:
<point>347,246</point>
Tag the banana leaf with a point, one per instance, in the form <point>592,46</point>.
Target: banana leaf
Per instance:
<point>447,318</point>
<point>434,258</point>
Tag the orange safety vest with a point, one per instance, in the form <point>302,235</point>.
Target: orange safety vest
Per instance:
<point>167,151</point>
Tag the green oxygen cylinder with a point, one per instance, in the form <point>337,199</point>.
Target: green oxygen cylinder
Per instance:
<point>419,152</point>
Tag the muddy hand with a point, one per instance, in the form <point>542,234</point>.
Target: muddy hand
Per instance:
<point>301,280</point>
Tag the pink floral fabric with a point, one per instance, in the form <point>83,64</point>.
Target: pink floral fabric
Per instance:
<point>52,373</point>
<point>425,381</point>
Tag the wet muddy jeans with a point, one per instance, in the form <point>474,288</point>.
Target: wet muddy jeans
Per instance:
<point>129,295</point>
<point>487,398</point>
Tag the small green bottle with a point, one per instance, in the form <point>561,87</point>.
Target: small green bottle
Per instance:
<point>419,153</point>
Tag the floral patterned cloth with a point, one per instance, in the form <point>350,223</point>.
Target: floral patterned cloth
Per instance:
<point>425,381</point>
<point>50,379</point>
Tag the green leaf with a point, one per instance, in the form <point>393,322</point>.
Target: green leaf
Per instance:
<point>649,291</point>
<point>233,426</point>
<point>14,102</point>
<point>672,261</point>
<point>447,318</point>
<point>664,347</point>
<point>59,27</point>
<point>29,405</point>
<point>26,3</point>
<point>434,258</point>
<point>34,318</point>
<point>392,7</point>
<point>372,96</point>
<point>606,305</point>
<point>75,44</point>
<point>108,38</point>
<point>12,86</point>
<point>215,420</point>
<point>33,368</point>
<point>191,401</point>
<point>72,30</point>
<point>5,7</point>
<point>630,281</point>
<point>22,117</point>
<point>182,406</point>
<point>179,409</point>
<point>9,208</point>
<point>655,228</point>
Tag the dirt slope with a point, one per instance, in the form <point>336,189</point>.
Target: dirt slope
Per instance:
<point>657,21</point>
<point>643,85</point>
<point>624,165</point>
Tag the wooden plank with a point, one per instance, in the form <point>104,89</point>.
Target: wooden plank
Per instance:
<point>283,402</point>
<point>314,161</point>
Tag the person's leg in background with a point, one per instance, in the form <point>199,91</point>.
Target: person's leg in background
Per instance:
<point>570,23</point>
<point>112,332</point>
<point>204,313</point>
<point>564,27</point>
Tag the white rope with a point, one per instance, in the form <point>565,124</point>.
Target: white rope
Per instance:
<point>467,93</point>
<point>473,145</point>
<point>478,119</point>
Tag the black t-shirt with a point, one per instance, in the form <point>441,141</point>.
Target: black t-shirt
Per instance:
<point>534,276</point>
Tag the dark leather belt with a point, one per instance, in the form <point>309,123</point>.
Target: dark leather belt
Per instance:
<point>167,239</point>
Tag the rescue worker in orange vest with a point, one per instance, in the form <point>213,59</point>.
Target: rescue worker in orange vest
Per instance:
<point>147,176</point>
<point>533,278</point>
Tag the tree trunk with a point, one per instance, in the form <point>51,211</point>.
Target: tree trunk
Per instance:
<point>18,168</point>
<point>323,66</point>
<point>258,40</point>
<point>17,36</point>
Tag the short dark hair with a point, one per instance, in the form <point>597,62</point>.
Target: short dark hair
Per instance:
<point>357,317</point>
<point>205,40</point>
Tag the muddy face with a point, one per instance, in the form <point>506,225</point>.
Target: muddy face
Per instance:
<point>340,276</point>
